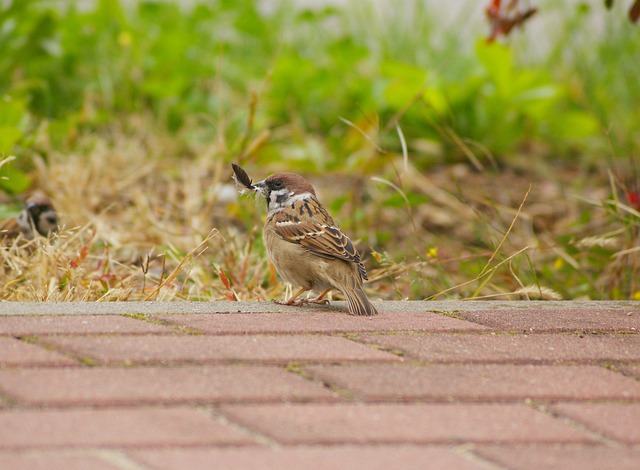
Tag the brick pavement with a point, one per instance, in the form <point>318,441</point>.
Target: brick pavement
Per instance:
<point>449,385</point>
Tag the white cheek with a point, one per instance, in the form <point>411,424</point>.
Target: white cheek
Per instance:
<point>278,198</point>
<point>23,221</point>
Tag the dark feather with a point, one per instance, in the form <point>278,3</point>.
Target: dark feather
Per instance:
<point>359,303</point>
<point>241,176</point>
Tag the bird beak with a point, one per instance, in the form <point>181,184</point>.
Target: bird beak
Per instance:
<point>260,187</point>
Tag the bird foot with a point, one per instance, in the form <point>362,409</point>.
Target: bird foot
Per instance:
<point>293,302</point>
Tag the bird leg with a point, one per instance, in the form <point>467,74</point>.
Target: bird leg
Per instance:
<point>318,300</point>
<point>292,300</point>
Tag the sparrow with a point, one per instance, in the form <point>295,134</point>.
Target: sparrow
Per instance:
<point>39,216</point>
<point>307,247</point>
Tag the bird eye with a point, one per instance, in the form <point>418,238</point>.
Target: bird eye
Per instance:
<point>278,184</point>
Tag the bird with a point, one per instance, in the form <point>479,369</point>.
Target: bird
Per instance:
<point>307,248</point>
<point>39,216</point>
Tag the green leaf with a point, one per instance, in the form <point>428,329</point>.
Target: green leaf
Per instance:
<point>8,137</point>
<point>12,112</point>
<point>436,99</point>
<point>13,116</point>
<point>405,81</point>
<point>497,62</point>
<point>573,125</point>
<point>8,211</point>
<point>12,180</point>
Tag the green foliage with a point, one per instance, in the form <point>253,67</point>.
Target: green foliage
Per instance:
<point>602,72</point>
<point>13,119</point>
<point>492,101</point>
<point>88,65</point>
<point>13,180</point>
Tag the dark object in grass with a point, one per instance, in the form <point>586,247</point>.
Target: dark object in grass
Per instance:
<point>241,177</point>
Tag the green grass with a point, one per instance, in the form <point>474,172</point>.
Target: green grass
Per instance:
<point>463,169</point>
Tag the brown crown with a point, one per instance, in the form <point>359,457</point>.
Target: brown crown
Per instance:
<point>293,182</point>
<point>39,199</point>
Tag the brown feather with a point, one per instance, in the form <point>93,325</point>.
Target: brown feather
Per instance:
<point>241,176</point>
<point>317,232</point>
<point>11,229</point>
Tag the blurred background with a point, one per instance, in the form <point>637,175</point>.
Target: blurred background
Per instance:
<point>468,155</point>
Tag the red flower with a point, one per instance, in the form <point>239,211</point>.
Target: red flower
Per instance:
<point>504,18</point>
<point>634,199</point>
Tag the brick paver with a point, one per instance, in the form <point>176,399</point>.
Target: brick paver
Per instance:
<point>311,458</point>
<point>55,460</point>
<point>319,322</point>
<point>120,427</point>
<point>632,370</point>
<point>626,318</point>
<point>620,421</point>
<point>136,385</point>
<point>493,385</point>
<point>403,423</point>
<point>470,382</point>
<point>164,349</point>
<point>542,347</point>
<point>577,457</point>
<point>84,324</point>
<point>15,352</point>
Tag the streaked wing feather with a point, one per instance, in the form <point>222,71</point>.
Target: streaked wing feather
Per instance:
<point>326,241</point>
<point>310,225</point>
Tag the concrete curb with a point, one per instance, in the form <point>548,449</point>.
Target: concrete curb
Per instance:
<point>147,308</point>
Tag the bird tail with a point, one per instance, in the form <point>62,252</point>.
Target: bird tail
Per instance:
<point>358,302</point>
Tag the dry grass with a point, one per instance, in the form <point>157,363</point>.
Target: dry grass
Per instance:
<point>141,224</point>
<point>136,226</point>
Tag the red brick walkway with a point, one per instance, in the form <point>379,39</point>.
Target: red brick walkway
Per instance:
<point>422,385</point>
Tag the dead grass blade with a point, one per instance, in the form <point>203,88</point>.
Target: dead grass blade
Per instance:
<point>506,235</point>
<point>403,143</point>
<point>197,251</point>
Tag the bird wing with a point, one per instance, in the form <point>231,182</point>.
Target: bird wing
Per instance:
<point>318,237</point>
<point>12,228</point>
